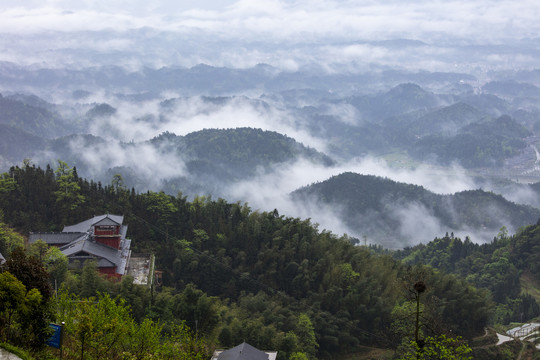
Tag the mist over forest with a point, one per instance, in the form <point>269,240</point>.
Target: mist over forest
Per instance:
<point>322,179</point>
<point>261,102</point>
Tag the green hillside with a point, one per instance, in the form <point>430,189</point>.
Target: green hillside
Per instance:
<point>35,120</point>
<point>237,274</point>
<point>372,206</point>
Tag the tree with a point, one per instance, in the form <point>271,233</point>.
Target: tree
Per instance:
<point>68,193</point>
<point>90,279</point>
<point>196,308</point>
<point>12,298</point>
<point>118,183</point>
<point>438,347</point>
<point>9,239</point>
<point>56,264</point>
<point>298,356</point>
<point>161,208</point>
<point>105,323</point>
<point>183,345</point>
<point>143,339</point>
<point>30,271</point>
<point>103,328</point>
<point>22,308</point>
<point>38,249</point>
<point>35,320</point>
<point>306,336</point>
<point>37,312</point>
<point>413,315</point>
<point>7,183</point>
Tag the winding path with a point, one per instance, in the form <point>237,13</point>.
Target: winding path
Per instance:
<point>6,355</point>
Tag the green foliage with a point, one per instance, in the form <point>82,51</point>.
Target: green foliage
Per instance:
<point>24,314</point>
<point>298,356</point>
<point>198,310</point>
<point>12,300</point>
<point>9,239</point>
<point>68,193</point>
<point>370,204</point>
<point>244,149</point>
<point>91,282</point>
<point>31,206</point>
<point>440,347</point>
<point>256,272</point>
<point>103,328</point>
<point>509,350</point>
<point>7,183</point>
<point>30,271</point>
<point>497,267</point>
<point>118,183</point>
<point>34,317</point>
<point>38,249</point>
<point>56,264</point>
<point>306,336</point>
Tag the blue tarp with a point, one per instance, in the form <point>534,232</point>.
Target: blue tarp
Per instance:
<point>56,338</point>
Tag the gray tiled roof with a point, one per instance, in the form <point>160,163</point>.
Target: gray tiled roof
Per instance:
<point>123,231</point>
<point>55,238</point>
<point>84,226</point>
<point>106,255</point>
<point>243,351</point>
<point>77,242</point>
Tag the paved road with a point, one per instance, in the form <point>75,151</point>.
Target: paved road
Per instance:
<point>5,355</point>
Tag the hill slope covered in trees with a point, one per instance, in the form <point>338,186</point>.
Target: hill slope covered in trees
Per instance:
<point>385,210</point>
<point>263,270</point>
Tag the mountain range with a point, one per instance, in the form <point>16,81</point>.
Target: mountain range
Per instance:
<point>157,130</point>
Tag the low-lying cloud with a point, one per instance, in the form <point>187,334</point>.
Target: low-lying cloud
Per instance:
<point>269,189</point>
<point>416,224</point>
<point>145,120</point>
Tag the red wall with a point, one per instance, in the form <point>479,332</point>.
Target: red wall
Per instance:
<point>114,242</point>
<point>98,231</point>
<point>110,272</point>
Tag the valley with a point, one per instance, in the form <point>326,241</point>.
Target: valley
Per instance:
<point>302,180</point>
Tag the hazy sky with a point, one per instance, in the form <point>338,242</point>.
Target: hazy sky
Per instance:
<point>284,20</point>
<point>284,33</point>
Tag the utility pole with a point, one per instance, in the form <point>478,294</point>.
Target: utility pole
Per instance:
<point>419,288</point>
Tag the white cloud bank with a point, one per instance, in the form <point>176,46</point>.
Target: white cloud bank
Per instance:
<point>271,190</point>
<point>284,21</point>
<point>287,34</point>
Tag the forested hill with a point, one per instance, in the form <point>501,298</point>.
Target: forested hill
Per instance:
<point>236,153</point>
<point>29,114</point>
<point>260,274</point>
<point>384,209</point>
<point>486,143</point>
<point>201,162</point>
<point>508,267</point>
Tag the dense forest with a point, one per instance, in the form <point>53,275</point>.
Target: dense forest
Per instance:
<point>508,267</point>
<point>232,274</point>
<point>373,206</point>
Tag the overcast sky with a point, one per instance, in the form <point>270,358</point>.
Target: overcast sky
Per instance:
<point>279,20</point>
<point>283,33</point>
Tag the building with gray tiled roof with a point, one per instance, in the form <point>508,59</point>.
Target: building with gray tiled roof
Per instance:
<point>102,238</point>
<point>244,351</point>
